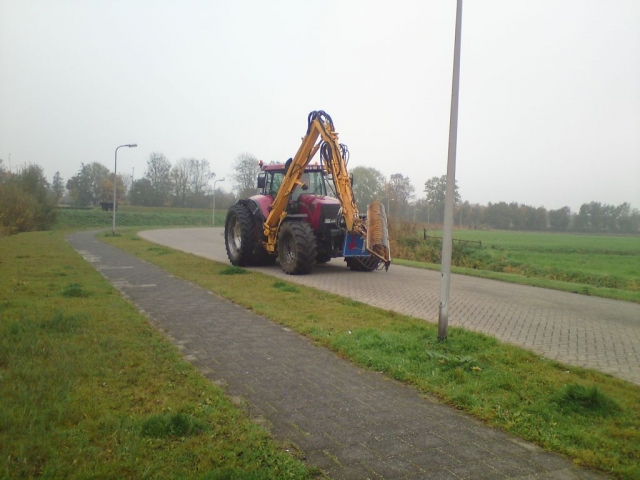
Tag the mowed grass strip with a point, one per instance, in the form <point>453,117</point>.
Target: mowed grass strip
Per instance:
<point>591,417</point>
<point>89,389</point>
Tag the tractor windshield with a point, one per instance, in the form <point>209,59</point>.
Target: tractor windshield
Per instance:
<point>314,180</point>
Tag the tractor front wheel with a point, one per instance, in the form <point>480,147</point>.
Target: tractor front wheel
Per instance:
<point>296,248</point>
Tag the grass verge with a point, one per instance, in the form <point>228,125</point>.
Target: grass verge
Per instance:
<point>591,417</point>
<point>88,389</point>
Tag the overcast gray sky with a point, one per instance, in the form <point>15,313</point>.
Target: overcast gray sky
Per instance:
<point>549,95</point>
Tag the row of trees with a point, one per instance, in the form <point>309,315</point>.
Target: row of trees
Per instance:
<point>593,217</point>
<point>186,184</point>
<point>399,197</point>
<point>183,184</point>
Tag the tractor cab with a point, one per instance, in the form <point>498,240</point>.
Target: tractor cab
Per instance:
<point>313,181</point>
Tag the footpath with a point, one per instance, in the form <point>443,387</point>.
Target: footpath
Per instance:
<point>349,422</point>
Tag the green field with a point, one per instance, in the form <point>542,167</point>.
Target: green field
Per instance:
<point>598,265</point>
<point>603,261</point>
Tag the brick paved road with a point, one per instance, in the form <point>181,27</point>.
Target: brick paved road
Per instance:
<point>575,329</point>
<point>351,423</point>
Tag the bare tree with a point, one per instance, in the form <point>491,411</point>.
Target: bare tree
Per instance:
<point>189,180</point>
<point>200,175</point>
<point>401,190</point>
<point>181,175</point>
<point>247,169</point>
<point>158,173</point>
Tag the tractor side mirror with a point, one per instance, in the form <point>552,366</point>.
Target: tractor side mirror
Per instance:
<point>262,180</point>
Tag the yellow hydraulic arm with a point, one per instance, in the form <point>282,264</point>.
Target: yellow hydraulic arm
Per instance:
<point>320,126</point>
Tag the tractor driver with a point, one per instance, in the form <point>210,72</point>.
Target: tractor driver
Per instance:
<point>305,180</point>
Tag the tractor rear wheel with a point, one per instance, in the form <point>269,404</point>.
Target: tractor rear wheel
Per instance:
<point>296,248</point>
<point>240,236</point>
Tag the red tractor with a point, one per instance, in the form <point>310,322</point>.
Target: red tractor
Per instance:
<point>305,214</point>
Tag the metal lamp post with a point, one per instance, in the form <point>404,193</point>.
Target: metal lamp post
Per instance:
<point>214,200</point>
<point>115,170</point>
<point>449,199</point>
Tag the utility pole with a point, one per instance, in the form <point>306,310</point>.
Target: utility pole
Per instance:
<point>447,233</point>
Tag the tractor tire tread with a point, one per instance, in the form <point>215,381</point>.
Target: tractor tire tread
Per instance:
<point>303,259</point>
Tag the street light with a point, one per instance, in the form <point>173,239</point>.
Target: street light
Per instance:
<point>447,227</point>
<point>214,200</point>
<point>115,169</point>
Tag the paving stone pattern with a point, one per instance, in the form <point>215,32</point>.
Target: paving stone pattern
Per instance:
<point>575,329</point>
<point>349,422</point>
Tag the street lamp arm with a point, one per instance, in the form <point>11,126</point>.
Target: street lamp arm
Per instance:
<point>130,145</point>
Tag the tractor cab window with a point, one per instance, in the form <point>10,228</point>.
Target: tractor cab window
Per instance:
<point>275,179</point>
<point>314,185</point>
<point>313,180</point>
<point>329,187</point>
